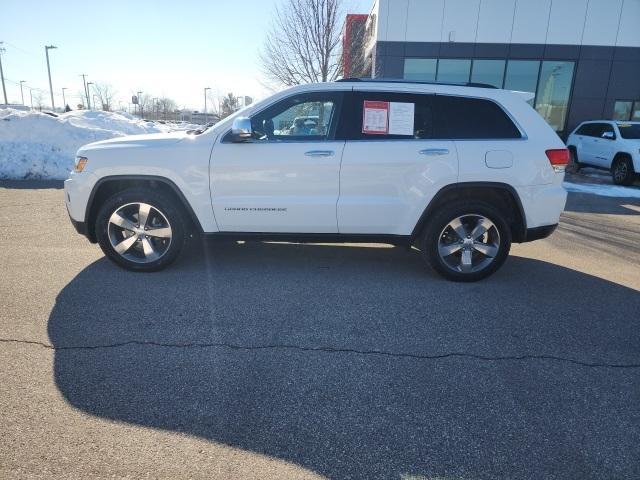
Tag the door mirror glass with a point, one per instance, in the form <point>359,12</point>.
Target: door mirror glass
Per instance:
<point>241,129</point>
<point>608,135</point>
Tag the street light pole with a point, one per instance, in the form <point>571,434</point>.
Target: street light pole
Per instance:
<point>89,94</point>
<point>4,89</point>
<point>205,104</point>
<point>46,51</point>
<point>21,92</point>
<point>84,81</point>
<point>64,100</point>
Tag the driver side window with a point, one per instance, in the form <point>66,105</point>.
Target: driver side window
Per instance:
<point>308,117</point>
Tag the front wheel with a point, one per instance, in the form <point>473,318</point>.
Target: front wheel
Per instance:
<point>466,241</point>
<point>140,230</point>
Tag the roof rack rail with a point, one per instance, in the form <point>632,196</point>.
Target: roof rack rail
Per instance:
<point>421,82</point>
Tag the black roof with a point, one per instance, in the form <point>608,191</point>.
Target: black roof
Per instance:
<point>401,80</point>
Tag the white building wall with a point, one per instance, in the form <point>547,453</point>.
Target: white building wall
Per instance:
<point>530,21</point>
<point>424,20</point>
<point>566,22</point>
<point>600,16</point>
<point>629,31</point>
<point>495,21</point>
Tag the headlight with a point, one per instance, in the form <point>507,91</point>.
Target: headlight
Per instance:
<point>81,162</point>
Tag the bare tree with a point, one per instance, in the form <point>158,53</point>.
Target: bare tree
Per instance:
<point>230,103</point>
<point>106,94</point>
<point>166,106</point>
<point>38,99</point>
<point>303,45</point>
<point>145,103</point>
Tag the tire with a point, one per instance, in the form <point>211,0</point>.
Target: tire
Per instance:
<point>440,236</point>
<point>622,171</point>
<point>146,247</point>
<point>574,162</point>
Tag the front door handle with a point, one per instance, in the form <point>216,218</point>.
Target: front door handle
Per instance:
<point>433,152</point>
<point>319,153</point>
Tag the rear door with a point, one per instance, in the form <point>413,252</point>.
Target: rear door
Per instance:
<point>393,162</point>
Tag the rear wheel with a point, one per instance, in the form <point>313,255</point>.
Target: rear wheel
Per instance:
<point>466,241</point>
<point>574,163</point>
<point>140,230</point>
<point>622,171</point>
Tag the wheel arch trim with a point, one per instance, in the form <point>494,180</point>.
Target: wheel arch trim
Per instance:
<point>150,178</point>
<point>464,185</point>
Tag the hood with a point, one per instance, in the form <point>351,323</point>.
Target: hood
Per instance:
<point>137,141</point>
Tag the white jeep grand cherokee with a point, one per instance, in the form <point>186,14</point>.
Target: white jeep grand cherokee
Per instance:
<point>458,171</point>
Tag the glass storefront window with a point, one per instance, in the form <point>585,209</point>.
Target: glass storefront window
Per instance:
<point>622,110</point>
<point>490,72</point>
<point>453,71</point>
<point>635,114</point>
<point>554,90</point>
<point>420,69</point>
<point>522,76</point>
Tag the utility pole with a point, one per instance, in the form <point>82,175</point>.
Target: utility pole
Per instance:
<point>139,104</point>
<point>46,51</point>
<point>21,92</point>
<point>4,89</point>
<point>84,81</point>
<point>89,94</point>
<point>64,100</point>
<point>31,95</point>
<point>205,104</point>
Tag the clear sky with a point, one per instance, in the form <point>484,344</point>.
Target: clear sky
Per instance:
<point>164,48</point>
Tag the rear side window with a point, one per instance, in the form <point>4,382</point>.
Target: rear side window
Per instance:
<point>392,116</point>
<point>474,118</point>
<point>585,129</point>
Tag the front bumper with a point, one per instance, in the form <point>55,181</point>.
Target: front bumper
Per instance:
<point>538,233</point>
<point>77,190</point>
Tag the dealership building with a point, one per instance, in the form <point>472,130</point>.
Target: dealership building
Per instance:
<point>581,58</point>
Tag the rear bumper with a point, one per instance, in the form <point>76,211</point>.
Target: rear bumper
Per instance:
<point>538,233</point>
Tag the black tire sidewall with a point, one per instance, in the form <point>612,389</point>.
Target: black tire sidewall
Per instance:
<point>156,199</point>
<point>629,178</point>
<point>430,238</point>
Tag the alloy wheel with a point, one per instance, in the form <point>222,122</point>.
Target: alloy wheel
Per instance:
<point>469,243</point>
<point>139,232</point>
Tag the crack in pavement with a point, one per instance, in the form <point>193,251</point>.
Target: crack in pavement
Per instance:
<point>327,350</point>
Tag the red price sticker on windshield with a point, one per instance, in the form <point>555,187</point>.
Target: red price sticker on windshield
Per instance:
<point>375,118</point>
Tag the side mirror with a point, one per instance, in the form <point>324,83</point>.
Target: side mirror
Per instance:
<point>241,129</point>
<point>608,135</point>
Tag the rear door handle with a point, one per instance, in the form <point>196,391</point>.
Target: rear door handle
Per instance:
<point>319,153</point>
<point>433,152</point>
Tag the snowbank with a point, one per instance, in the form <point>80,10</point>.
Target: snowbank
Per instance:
<point>37,145</point>
<point>603,190</point>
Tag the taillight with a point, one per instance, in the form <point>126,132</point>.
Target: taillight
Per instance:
<point>558,158</point>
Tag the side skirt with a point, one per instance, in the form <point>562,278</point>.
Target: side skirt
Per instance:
<point>398,240</point>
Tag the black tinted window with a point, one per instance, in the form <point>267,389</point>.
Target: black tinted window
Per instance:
<point>424,122</point>
<point>629,130</point>
<point>474,118</point>
<point>584,129</point>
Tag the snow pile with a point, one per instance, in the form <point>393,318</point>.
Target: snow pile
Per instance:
<point>603,190</point>
<point>37,145</point>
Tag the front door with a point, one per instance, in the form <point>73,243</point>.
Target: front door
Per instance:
<point>284,179</point>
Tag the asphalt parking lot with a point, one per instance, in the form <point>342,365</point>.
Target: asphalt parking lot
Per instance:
<point>263,360</point>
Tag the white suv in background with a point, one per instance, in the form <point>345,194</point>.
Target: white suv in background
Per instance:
<point>460,172</point>
<point>610,145</point>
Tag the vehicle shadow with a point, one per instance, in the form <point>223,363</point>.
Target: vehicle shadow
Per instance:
<point>356,362</point>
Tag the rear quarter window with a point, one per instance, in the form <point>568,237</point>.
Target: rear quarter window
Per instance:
<point>465,118</point>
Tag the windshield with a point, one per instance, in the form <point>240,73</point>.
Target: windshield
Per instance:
<point>630,131</point>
